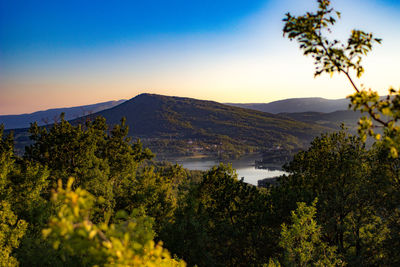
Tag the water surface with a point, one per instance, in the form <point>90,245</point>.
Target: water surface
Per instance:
<point>244,167</point>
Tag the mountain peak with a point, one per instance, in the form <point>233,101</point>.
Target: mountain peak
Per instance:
<point>159,116</point>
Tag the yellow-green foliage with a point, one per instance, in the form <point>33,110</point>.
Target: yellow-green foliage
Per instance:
<point>341,173</point>
<point>302,242</point>
<point>11,232</point>
<point>384,112</point>
<point>334,56</point>
<point>11,229</point>
<point>126,243</point>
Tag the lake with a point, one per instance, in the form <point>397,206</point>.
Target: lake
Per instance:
<point>244,167</point>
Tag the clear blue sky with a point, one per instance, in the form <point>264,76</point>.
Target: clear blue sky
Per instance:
<point>66,53</point>
<point>29,26</point>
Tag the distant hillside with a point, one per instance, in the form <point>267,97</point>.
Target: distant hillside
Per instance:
<point>314,104</point>
<point>50,115</point>
<point>332,120</point>
<point>181,125</point>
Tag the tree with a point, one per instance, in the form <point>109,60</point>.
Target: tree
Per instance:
<point>337,169</point>
<point>107,164</point>
<point>338,57</point>
<point>11,228</point>
<point>222,222</point>
<point>126,243</point>
<point>11,232</point>
<point>6,161</point>
<point>310,31</point>
<point>103,163</point>
<point>302,241</point>
<point>386,172</point>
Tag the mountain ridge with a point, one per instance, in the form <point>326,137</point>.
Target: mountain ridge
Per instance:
<point>183,126</point>
<point>290,105</point>
<point>43,117</point>
<point>172,121</point>
<point>295,105</point>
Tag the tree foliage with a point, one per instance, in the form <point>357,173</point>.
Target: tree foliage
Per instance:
<point>341,173</point>
<point>333,56</point>
<point>222,222</point>
<point>12,229</point>
<point>126,243</point>
<point>11,232</point>
<point>302,240</point>
<point>110,169</point>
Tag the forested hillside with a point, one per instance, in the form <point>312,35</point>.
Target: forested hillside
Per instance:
<point>294,105</point>
<point>182,124</point>
<point>177,126</point>
<point>332,120</point>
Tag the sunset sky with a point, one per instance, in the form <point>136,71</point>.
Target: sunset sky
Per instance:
<point>70,53</point>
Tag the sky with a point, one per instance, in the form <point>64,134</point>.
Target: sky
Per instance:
<point>69,53</point>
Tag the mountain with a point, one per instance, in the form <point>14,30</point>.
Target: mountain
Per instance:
<point>324,112</point>
<point>332,119</point>
<point>184,125</point>
<point>291,105</point>
<point>50,115</point>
